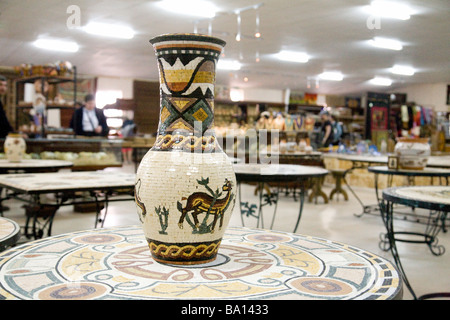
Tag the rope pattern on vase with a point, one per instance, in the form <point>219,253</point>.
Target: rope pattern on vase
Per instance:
<point>188,143</point>
<point>187,251</point>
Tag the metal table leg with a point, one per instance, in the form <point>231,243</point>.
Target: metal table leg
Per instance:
<point>387,216</point>
<point>302,201</point>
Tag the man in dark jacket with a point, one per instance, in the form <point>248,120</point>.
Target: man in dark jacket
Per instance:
<point>89,120</point>
<point>5,126</point>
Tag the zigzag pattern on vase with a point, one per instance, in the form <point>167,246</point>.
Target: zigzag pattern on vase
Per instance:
<point>184,80</point>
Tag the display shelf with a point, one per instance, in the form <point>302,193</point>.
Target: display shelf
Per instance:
<point>23,117</point>
<point>86,154</point>
<point>50,79</point>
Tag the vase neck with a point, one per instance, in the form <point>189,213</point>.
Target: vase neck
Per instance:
<point>187,65</point>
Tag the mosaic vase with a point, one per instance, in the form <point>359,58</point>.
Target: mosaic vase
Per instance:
<point>185,184</point>
<point>412,153</point>
<point>14,147</point>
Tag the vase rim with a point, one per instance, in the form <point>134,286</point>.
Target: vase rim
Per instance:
<point>187,37</point>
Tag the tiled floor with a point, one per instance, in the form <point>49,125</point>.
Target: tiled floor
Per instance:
<point>335,221</point>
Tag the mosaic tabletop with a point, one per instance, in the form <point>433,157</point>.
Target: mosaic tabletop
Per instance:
<point>363,158</point>
<point>425,172</point>
<point>296,153</point>
<point>428,197</point>
<point>439,161</point>
<point>34,164</point>
<point>64,181</point>
<point>9,232</point>
<point>276,172</point>
<point>433,161</point>
<point>115,263</point>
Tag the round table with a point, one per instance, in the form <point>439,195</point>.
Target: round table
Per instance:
<point>361,161</point>
<point>363,158</point>
<point>115,263</point>
<point>410,174</point>
<point>433,161</point>
<point>273,173</point>
<point>9,233</point>
<point>297,157</point>
<point>439,161</point>
<point>34,165</point>
<point>433,198</point>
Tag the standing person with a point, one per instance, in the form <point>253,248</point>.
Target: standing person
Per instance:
<point>89,120</point>
<point>327,129</point>
<point>5,126</point>
<point>337,130</point>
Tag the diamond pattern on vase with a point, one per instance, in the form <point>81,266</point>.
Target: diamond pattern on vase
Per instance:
<point>202,112</point>
<point>177,113</point>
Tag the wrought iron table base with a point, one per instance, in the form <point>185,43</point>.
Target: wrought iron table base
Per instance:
<point>40,216</point>
<point>269,198</point>
<point>389,239</point>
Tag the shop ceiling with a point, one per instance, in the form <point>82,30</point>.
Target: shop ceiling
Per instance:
<point>334,34</point>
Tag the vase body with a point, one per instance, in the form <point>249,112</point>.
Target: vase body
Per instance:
<point>412,153</point>
<point>185,184</point>
<point>14,147</point>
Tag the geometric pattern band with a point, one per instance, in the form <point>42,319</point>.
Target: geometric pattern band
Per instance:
<point>187,64</point>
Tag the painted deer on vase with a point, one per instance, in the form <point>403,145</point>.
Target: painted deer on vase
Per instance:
<point>200,202</point>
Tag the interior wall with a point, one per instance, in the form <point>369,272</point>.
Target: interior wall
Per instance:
<point>123,84</point>
<point>266,95</point>
<point>433,95</point>
<point>146,115</point>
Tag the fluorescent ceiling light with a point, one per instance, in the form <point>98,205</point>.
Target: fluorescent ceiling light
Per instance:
<point>199,8</point>
<point>56,45</point>
<point>381,81</point>
<point>402,70</point>
<point>236,95</point>
<point>331,75</point>
<point>228,65</point>
<point>386,43</point>
<point>389,9</point>
<point>109,30</point>
<point>293,56</point>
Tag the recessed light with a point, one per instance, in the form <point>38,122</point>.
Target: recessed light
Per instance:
<point>389,9</point>
<point>56,45</point>
<point>379,81</point>
<point>403,70</point>
<point>109,30</point>
<point>293,56</point>
<point>198,8</point>
<point>386,43</point>
<point>331,75</point>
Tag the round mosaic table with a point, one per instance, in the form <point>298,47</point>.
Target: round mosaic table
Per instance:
<point>409,174</point>
<point>115,263</point>
<point>279,174</point>
<point>361,161</point>
<point>433,198</point>
<point>33,165</point>
<point>9,233</point>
